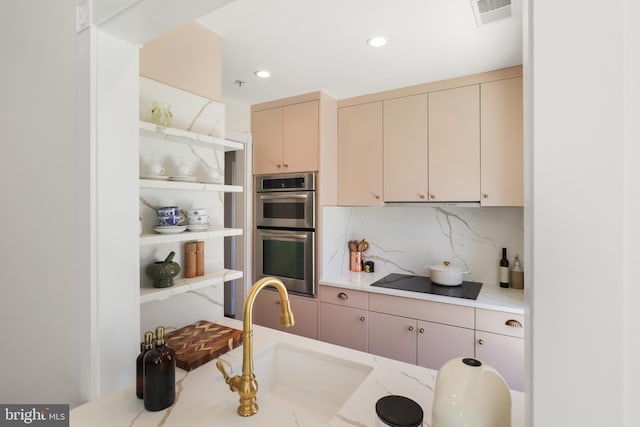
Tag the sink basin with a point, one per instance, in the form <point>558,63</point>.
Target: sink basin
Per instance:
<point>305,381</point>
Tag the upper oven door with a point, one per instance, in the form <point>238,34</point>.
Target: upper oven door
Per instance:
<point>291,209</point>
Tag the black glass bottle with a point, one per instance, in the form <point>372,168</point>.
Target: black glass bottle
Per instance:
<point>144,348</point>
<point>159,375</point>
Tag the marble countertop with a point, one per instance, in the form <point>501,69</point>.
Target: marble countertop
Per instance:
<point>492,297</point>
<point>203,399</point>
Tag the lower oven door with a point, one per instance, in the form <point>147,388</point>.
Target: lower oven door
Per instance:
<point>288,255</point>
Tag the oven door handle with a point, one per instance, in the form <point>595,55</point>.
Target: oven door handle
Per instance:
<point>292,196</point>
<point>283,236</point>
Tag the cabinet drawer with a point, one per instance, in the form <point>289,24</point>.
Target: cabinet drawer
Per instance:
<point>500,322</point>
<point>449,314</point>
<point>345,297</point>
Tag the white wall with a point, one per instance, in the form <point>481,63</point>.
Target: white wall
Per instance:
<point>138,21</point>
<point>577,84</point>
<point>632,210</point>
<point>44,169</point>
<point>115,223</point>
<point>69,253</point>
<point>238,115</point>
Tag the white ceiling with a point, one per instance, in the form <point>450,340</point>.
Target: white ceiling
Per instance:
<point>311,45</point>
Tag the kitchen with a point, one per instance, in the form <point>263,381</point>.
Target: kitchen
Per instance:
<point>564,261</point>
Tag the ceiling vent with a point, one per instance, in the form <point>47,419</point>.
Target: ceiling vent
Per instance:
<point>486,11</point>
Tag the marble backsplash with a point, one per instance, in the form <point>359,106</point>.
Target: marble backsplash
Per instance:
<point>407,239</point>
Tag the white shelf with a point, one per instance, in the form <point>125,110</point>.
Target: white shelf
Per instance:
<point>181,286</point>
<point>154,238</point>
<point>186,137</point>
<point>191,186</point>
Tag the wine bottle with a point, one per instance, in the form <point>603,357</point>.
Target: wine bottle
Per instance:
<point>504,269</point>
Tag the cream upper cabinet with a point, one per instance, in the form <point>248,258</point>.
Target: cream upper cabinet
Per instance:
<point>454,144</point>
<point>267,128</point>
<point>300,137</point>
<point>360,155</point>
<point>285,139</point>
<point>501,142</point>
<point>405,149</point>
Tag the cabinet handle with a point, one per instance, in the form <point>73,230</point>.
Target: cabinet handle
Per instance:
<point>342,295</point>
<point>278,165</point>
<point>277,302</point>
<point>485,196</point>
<point>513,323</point>
<point>362,318</point>
<point>421,195</point>
<point>377,196</point>
<point>421,330</point>
<point>410,328</point>
<point>432,196</point>
<point>286,165</point>
<point>481,341</point>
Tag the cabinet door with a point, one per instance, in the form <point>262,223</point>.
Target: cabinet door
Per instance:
<point>454,144</point>
<point>405,149</point>
<point>392,336</point>
<point>305,316</point>
<point>505,354</point>
<point>267,128</point>
<point>501,143</point>
<point>301,136</point>
<point>345,326</point>
<point>266,310</point>
<point>360,155</point>
<point>438,343</point>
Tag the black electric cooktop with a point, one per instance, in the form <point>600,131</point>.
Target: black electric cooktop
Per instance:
<point>406,282</point>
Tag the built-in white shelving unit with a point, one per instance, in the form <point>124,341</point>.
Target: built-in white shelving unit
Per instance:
<point>211,278</point>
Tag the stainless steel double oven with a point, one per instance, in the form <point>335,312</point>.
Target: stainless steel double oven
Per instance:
<point>285,230</point>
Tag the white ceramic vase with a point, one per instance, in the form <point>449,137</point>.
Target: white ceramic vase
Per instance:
<point>470,393</point>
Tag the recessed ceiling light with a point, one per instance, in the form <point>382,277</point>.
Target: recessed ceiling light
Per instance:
<point>377,41</point>
<point>263,74</point>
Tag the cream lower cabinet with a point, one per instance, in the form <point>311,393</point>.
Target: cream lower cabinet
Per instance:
<point>344,326</point>
<point>421,332</point>
<point>500,343</point>
<point>423,343</point>
<point>266,312</point>
<point>343,317</point>
<point>438,343</point>
<point>360,155</point>
<point>393,337</point>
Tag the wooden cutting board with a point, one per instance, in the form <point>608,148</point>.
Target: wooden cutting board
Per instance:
<point>201,342</point>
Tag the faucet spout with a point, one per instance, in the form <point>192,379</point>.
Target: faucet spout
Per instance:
<point>246,385</point>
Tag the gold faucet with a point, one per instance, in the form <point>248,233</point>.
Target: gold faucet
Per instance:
<point>246,385</point>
